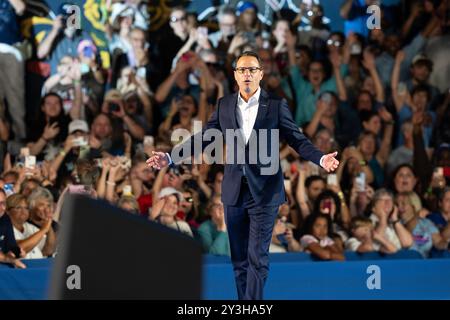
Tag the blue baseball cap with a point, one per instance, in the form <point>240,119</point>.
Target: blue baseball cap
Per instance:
<point>244,5</point>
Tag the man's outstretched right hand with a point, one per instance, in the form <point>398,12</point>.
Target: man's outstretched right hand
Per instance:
<point>158,160</point>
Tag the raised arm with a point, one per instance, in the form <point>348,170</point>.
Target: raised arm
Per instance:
<point>32,241</point>
<point>416,10</point>
<point>369,63</point>
<point>300,193</point>
<point>335,59</point>
<point>321,108</point>
<point>345,9</point>
<point>45,47</point>
<point>164,89</point>
<point>291,40</point>
<point>398,97</point>
<point>385,148</point>
<point>405,237</point>
<point>19,6</point>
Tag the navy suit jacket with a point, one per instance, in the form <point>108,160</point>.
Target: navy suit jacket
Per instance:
<point>273,113</point>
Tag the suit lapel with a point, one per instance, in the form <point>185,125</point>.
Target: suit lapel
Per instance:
<point>262,109</point>
<point>233,111</point>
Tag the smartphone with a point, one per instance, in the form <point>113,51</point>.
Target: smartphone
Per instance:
<point>326,97</point>
<point>88,52</point>
<point>361,182</point>
<point>355,49</point>
<point>326,205</point>
<point>149,141</point>
<point>80,142</point>
<point>332,179</point>
<point>287,185</point>
<point>30,162</point>
<point>401,88</point>
<point>294,168</point>
<point>9,189</point>
<point>127,190</point>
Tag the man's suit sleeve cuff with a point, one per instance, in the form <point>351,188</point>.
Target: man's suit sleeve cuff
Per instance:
<point>321,161</point>
<point>169,158</point>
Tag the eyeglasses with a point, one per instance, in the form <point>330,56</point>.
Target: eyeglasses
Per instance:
<point>20,208</point>
<point>335,43</point>
<point>175,19</point>
<point>252,70</point>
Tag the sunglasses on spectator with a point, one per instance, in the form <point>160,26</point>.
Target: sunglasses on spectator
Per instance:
<point>252,70</point>
<point>176,19</point>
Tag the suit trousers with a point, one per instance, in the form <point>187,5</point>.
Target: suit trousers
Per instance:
<point>12,87</point>
<point>250,232</point>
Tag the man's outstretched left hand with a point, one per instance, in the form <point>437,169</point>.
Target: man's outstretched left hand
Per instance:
<point>329,162</point>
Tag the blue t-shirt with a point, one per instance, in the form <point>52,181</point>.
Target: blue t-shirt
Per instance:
<point>438,220</point>
<point>422,235</point>
<point>9,28</point>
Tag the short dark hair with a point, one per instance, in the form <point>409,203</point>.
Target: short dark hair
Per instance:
<point>304,48</point>
<point>248,54</point>
<point>366,115</point>
<point>312,179</point>
<point>311,220</point>
<point>422,88</point>
<point>52,94</point>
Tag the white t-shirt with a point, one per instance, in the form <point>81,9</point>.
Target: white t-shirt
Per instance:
<point>29,230</point>
<point>353,244</point>
<point>307,239</point>
<point>389,232</point>
<point>181,226</point>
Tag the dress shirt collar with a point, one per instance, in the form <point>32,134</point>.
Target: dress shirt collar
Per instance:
<point>254,99</point>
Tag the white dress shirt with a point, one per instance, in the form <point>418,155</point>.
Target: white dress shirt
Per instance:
<point>246,113</point>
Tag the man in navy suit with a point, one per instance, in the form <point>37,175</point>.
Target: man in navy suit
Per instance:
<point>250,195</point>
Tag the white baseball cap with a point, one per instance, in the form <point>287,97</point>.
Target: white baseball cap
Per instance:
<point>167,191</point>
<point>78,125</point>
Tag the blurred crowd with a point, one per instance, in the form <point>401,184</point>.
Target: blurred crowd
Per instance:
<point>379,96</point>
